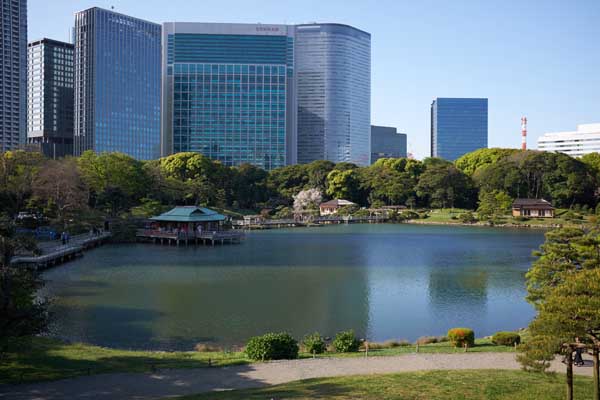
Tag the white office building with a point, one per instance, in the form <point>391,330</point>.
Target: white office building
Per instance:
<point>585,140</point>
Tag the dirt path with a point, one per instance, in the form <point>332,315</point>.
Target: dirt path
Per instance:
<point>170,383</point>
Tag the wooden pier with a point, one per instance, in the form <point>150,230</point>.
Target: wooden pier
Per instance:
<point>187,238</point>
<point>55,253</point>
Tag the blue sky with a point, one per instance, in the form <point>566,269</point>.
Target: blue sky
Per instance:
<point>539,58</point>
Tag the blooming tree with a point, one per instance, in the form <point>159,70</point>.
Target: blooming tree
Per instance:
<point>307,200</point>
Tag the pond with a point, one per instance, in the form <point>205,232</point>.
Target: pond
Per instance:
<point>383,281</point>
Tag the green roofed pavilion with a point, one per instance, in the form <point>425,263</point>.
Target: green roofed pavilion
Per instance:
<point>190,214</point>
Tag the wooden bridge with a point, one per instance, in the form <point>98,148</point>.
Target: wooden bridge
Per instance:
<point>204,237</point>
<point>317,221</point>
<point>54,252</point>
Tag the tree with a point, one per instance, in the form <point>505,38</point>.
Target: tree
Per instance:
<point>22,312</point>
<point>343,184</point>
<point>564,287</point>
<point>471,162</point>
<point>571,310</point>
<point>17,173</point>
<point>60,186</point>
<point>494,203</point>
<point>307,200</point>
<point>442,185</point>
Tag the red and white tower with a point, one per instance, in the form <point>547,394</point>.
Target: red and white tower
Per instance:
<point>524,133</point>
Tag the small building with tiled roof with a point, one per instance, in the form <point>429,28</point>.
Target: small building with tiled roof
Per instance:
<point>332,206</point>
<point>534,208</point>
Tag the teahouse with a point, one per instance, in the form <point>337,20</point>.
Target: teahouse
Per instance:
<point>189,223</point>
<point>332,207</point>
<point>537,208</point>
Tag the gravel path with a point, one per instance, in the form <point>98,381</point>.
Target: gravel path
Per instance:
<point>170,383</point>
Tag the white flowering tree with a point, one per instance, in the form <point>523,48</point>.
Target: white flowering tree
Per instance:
<point>308,199</point>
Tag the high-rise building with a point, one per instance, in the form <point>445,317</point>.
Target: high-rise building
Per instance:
<point>229,92</point>
<point>50,97</point>
<point>387,142</point>
<point>458,126</point>
<point>333,65</point>
<point>585,140</point>
<point>117,84</point>
<point>13,73</point>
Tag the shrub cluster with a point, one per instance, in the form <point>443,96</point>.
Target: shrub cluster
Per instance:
<point>388,344</point>
<point>461,337</point>
<point>431,339</point>
<point>314,344</point>
<point>506,338</point>
<point>346,342</point>
<point>272,346</point>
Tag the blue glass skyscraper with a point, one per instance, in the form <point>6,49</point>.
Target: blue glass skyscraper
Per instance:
<point>458,127</point>
<point>229,92</point>
<point>387,142</point>
<point>333,64</point>
<point>13,73</point>
<point>117,84</point>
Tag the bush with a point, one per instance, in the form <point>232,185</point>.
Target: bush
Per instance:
<point>467,218</point>
<point>314,344</point>
<point>431,339</point>
<point>521,218</point>
<point>207,348</point>
<point>272,346</point>
<point>388,344</point>
<point>346,342</point>
<point>506,338</point>
<point>459,337</point>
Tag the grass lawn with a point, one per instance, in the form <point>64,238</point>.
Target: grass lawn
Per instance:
<point>431,385</point>
<point>46,359</point>
<point>450,216</point>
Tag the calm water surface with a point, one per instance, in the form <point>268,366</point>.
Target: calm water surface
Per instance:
<point>383,281</point>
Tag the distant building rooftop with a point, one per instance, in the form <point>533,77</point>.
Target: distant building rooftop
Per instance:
<point>533,203</point>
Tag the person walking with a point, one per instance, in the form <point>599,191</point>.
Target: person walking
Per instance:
<point>578,353</point>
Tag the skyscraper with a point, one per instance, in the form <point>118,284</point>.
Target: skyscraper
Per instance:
<point>50,97</point>
<point>458,126</point>
<point>387,142</point>
<point>117,84</point>
<point>13,73</point>
<point>229,92</point>
<point>333,65</point>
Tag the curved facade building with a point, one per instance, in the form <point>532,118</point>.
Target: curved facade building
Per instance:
<point>333,67</point>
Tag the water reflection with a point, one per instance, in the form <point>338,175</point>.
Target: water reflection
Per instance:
<point>384,281</point>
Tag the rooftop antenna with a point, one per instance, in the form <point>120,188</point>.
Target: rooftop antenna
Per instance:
<point>524,133</point>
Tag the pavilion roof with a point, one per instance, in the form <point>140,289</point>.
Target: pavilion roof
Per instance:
<point>190,214</point>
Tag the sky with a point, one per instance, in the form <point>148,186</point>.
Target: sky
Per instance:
<point>535,58</point>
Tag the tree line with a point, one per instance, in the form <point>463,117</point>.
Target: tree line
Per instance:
<point>116,184</point>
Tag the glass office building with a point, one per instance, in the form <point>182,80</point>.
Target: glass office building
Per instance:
<point>50,97</point>
<point>333,66</point>
<point>229,92</point>
<point>13,73</point>
<point>458,126</point>
<point>117,84</point>
<point>387,142</point>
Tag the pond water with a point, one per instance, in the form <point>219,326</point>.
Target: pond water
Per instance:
<point>383,281</point>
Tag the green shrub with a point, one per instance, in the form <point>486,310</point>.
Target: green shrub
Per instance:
<point>272,346</point>
<point>314,344</point>
<point>520,218</point>
<point>467,218</point>
<point>431,339</point>
<point>506,338</point>
<point>459,337</point>
<point>346,342</point>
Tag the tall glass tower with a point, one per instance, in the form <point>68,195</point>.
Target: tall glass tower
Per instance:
<point>333,65</point>
<point>13,73</point>
<point>458,127</point>
<point>117,84</point>
<point>229,92</point>
<point>50,97</point>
